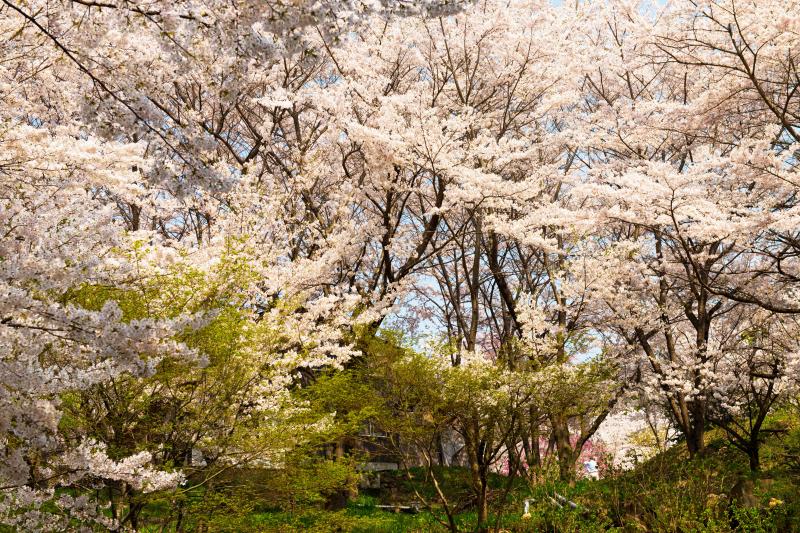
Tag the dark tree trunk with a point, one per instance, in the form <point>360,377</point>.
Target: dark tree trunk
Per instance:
<point>483,506</point>
<point>695,433</point>
<point>564,449</point>
<point>753,455</point>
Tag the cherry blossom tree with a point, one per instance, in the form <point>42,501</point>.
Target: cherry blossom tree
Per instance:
<point>692,161</point>
<point>106,181</point>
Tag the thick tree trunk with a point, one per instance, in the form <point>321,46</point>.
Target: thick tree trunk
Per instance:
<point>479,474</point>
<point>753,455</point>
<point>694,442</point>
<point>533,452</point>
<point>440,450</point>
<point>566,465</point>
<point>695,433</point>
<point>564,449</point>
<point>483,505</point>
<point>133,515</point>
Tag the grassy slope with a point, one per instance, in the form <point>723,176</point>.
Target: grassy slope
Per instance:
<point>671,493</point>
<point>666,493</point>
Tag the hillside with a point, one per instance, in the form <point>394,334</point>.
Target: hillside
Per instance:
<point>714,493</point>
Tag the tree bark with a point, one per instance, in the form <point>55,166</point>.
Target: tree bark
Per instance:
<point>564,449</point>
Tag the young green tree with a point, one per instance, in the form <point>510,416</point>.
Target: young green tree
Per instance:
<point>483,405</point>
<point>232,412</point>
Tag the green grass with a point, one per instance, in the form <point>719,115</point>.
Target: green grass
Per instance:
<point>672,493</point>
<point>667,493</point>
